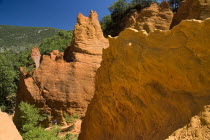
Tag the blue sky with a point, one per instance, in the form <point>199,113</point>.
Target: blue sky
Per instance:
<point>59,14</point>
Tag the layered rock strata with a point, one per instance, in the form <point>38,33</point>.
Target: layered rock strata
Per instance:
<point>149,85</point>
<point>192,9</point>
<point>61,86</point>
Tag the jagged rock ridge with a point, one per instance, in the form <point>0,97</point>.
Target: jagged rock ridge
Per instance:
<point>56,86</point>
<point>149,85</point>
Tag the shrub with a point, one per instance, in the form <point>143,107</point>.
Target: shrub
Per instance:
<point>70,119</point>
<point>38,133</point>
<point>70,136</point>
<point>30,116</point>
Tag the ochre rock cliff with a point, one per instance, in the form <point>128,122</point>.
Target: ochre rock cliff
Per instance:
<point>58,86</point>
<point>150,18</point>
<point>192,9</point>
<point>149,85</point>
<point>8,131</point>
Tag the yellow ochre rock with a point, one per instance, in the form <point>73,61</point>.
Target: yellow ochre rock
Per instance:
<point>149,85</point>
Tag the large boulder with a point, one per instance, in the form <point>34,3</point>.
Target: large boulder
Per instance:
<point>61,86</point>
<point>8,131</point>
<point>150,18</point>
<point>149,85</point>
<point>192,9</point>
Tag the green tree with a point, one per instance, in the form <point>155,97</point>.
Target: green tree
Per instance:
<point>106,24</point>
<point>117,9</point>
<point>140,4</point>
<point>58,42</point>
<point>10,62</point>
<point>30,116</point>
<point>174,4</point>
<point>31,130</point>
<point>7,76</point>
<point>38,133</point>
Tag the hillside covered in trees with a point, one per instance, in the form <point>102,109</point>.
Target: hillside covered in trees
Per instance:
<point>18,38</point>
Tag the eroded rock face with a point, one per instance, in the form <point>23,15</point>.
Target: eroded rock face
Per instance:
<point>151,18</point>
<point>192,9</point>
<point>88,37</point>
<point>148,86</point>
<point>197,129</point>
<point>8,131</point>
<point>59,87</point>
<point>36,56</point>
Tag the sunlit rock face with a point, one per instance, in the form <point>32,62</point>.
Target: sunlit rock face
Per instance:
<point>64,82</point>
<point>8,131</point>
<point>149,85</point>
<point>88,37</point>
<point>192,9</point>
<point>150,18</point>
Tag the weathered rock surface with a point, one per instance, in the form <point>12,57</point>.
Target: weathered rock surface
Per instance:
<point>8,131</point>
<point>197,129</point>
<point>149,85</point>
<point>88,37</point>
<point>192,9</point>
<point>36,56</point>
<point>150,18</point>
<point>59,87</point>
<point>56,55</point>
